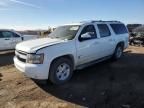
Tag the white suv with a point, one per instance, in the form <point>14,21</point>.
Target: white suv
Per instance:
<point>71,47</point>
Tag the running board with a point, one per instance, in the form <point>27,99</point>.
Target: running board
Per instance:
<point>79,67</point>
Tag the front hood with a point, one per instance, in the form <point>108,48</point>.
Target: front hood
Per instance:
<point>32,46</point>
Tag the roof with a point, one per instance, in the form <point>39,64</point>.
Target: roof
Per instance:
<point>94,21</point>
<point>6,30</point>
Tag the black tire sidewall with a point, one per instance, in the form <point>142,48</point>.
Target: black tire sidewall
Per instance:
<point>115,53</point>
<point>53,68</point>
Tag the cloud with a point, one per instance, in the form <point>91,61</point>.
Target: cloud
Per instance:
<point>24,3</point>
<point>3,6</point>
<point>2,3</point>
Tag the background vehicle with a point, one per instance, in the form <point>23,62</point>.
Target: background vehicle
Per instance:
<point>71,47</point>
<point>9,39</point>
<point>136,39</point>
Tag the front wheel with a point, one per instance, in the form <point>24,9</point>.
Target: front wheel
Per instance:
<point>118,52</point>
<point>61,71</point>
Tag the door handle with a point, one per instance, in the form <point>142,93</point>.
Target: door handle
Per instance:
<point>7,39</point>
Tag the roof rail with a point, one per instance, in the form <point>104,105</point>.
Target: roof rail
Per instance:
<point>93,21</point>
<point>104,21</point>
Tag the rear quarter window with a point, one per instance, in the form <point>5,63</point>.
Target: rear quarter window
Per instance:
<point>119,28</point>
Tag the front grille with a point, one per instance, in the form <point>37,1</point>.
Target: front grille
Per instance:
<point>21,56</point>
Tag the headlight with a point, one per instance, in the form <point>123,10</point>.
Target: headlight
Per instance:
<point>35,58</point>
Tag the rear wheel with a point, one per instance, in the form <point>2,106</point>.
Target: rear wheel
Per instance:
<point>61,71</point>
<point>118,52</point>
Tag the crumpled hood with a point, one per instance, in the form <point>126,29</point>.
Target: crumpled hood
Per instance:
<point>32,46</point>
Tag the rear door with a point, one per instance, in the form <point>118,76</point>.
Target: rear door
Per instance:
<point>106,40</point>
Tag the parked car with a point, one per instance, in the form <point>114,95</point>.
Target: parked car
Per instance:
<point>9,39</point>
<point>71,47</point>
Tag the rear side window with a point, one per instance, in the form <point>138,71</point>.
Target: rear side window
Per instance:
<point>6,34</point>
<point>119,28</point>
<point>104,30</point>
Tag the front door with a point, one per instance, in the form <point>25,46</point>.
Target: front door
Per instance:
<point>88,45</point>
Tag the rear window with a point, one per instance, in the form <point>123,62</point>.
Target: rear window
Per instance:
<point>119,28</point>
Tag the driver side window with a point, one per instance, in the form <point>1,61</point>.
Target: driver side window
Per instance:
<point>88,33</point>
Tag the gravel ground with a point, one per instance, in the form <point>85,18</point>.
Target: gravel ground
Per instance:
<point>118,84</point>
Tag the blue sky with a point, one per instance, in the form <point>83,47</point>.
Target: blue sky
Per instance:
<point>39,14</point>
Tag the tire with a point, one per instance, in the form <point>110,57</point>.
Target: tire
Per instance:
<point>61,71</point>
<point>118,52</point>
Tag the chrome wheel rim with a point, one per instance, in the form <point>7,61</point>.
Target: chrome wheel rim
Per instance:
<point>63,71</point>
<point>119,52</point>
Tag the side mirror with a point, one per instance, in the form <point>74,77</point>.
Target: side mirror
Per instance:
<point>22,38</point>
<point>91,34</point>
<point>86,35</point>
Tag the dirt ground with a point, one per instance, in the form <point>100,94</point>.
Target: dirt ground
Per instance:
<point>118,84</point>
